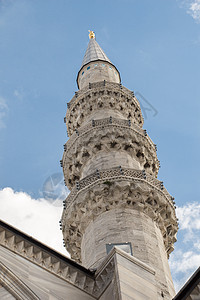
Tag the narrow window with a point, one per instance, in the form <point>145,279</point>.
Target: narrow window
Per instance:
<point>126,247</point>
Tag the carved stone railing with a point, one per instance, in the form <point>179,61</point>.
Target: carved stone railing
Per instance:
<point>106,122</point>
<point>101,84</point>
<point>118,173</point>
<point>100,97</point>
<point>105,135</point>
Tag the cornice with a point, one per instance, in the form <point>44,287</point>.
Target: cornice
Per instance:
<point>118,173</point>
<point>53,262</point>
<point>131,258</point>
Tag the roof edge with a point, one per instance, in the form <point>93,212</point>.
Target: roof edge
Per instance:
<point>189,286</point>
<point>45,248</point>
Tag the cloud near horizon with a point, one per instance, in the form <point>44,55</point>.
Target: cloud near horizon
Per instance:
<point>36,217</point>
<point>186,257</point>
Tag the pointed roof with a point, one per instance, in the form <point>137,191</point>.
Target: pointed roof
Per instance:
<point>94,53</point>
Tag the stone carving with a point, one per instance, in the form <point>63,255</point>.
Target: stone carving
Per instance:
<point>98,97</point>
<point>132,189</point>
<point>106,138</point>
<point>90,282</point>
<point>122,123</point>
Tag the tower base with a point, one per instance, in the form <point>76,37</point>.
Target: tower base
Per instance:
<point>132,279</point>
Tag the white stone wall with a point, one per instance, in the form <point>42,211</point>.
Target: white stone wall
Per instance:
<point>125,225</point>
<point>102,160</point>
<point>43,283</point>
<point>97,71</point>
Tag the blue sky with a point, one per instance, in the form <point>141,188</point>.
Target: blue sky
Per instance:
<point>154,44</point>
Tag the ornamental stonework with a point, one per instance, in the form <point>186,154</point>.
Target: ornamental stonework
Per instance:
<point>112,189</point>
<point>100,97</point>
<point>107,136</point>
<point>93,283</point>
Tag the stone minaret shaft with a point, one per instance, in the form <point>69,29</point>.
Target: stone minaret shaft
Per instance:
<point>110,165</point>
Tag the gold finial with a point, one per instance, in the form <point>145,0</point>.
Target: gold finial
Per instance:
<point>91,34</point>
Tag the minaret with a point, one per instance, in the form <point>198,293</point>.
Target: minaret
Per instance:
<point>110,166</point>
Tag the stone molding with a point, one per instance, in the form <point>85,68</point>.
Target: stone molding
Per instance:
<point>106,138</point>
<point>102,96</point>
<point>14,285</point>
<point>117,173</point>
<point>117,188</point>
<point>87,281</point>
<point>100,84</point>
<point>133,259</point>
<point>122,123</point>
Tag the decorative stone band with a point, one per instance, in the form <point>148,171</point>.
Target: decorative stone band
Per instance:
<point>117,188</point>
<point>100,84</point>
<point>53,262</point>
<point>102,96</point>
<point>107,137</point>
<point>119,173</point>
<point>104,122</point>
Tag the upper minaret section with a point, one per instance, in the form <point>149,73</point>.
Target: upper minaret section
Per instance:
<point>96,66</point>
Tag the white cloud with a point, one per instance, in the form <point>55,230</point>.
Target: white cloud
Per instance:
<point>183,264</point>
<point>189,216</point>
<point>186,257</point>
<point>192,7</point>
<point>185,261</point>
<point>194,10</point>
<point>36,217</point>
<point>3,112</point>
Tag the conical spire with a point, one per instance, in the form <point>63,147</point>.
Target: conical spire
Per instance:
<point>96,66</point>
<point>94,53</point>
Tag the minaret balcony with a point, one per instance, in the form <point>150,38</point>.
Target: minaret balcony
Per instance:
<point>98,98</point>
<point>107,143</point>
<point>117,188</point>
